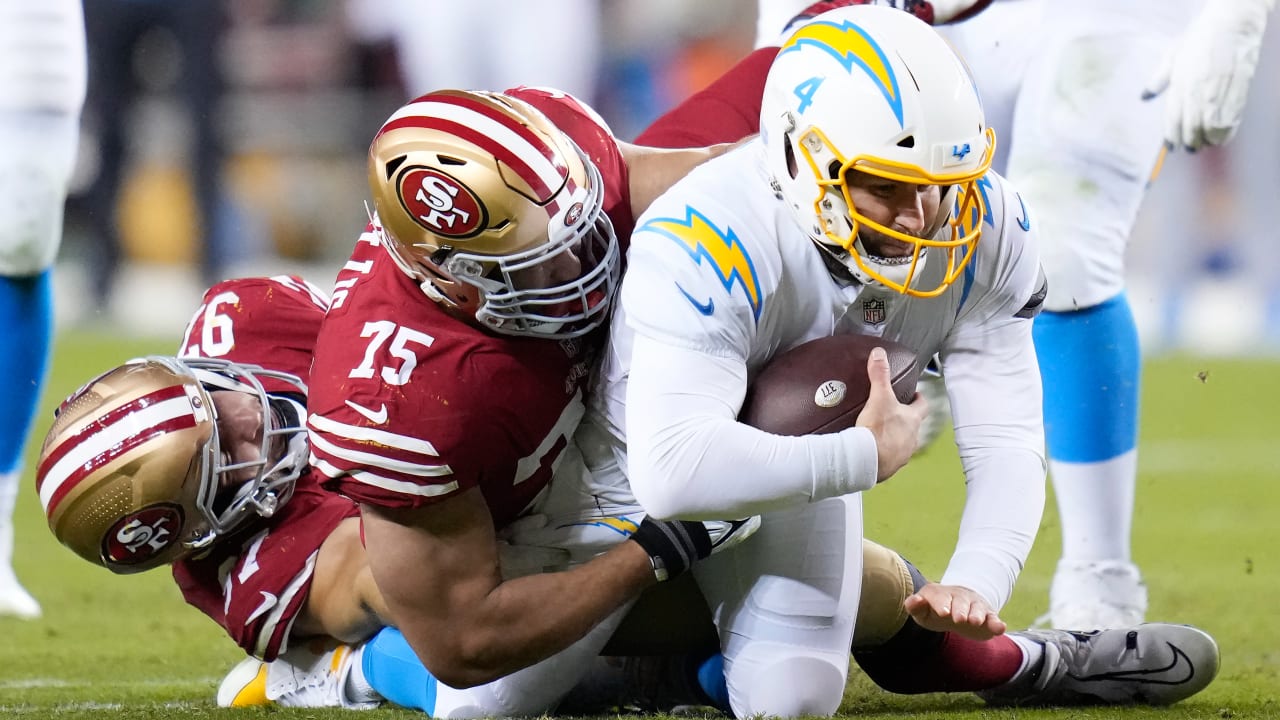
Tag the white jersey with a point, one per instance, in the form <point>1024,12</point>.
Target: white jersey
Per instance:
<point>721,278</point>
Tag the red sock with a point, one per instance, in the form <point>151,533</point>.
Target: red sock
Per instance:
<point>964,664</point>
<point>921,661</point>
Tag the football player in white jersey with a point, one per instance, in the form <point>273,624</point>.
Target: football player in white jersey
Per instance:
<point>1075,85</point>
<point>858,210</point>
<point>42,87</point>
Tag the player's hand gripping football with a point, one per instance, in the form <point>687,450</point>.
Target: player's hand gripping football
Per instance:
<point>896,426</point>
<point>953,608</point>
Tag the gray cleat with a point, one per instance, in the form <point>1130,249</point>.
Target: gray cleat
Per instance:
<point>1151,664</point>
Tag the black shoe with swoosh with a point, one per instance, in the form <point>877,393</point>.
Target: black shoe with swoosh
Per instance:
<point>1149,664</point>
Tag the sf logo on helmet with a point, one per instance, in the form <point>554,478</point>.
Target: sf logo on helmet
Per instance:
<point>142,535</point>
<point>441,204</point>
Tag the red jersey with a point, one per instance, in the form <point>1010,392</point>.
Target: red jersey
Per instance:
<point>410,405</point>
<point>254,583</point>
<point>270,322</point>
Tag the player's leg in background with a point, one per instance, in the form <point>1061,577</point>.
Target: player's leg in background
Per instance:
<point>42,86</point>
<point>1084,148</point>
<point>113,28</point>
<point>550,44</point>
<point>554,45</point>
<point>197,26</point>
<point>785,602</point>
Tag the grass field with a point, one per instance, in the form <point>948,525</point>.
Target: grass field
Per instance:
<point>1205,535</point>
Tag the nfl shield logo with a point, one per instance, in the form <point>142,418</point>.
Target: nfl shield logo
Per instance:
<point>873,311</point>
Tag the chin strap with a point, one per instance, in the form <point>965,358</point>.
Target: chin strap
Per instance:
<point>836,260</point>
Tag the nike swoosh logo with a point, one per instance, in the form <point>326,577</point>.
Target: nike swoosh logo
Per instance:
<point>268,602</point>
<point>1180,660</point>
<point>377,418</point>
<point>1023,222</point>
<point>705,308</point>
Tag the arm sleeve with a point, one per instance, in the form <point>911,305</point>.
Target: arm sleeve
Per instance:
<point>690,458</point>
<point>1001,516</point>
<point>1001,448</point>
<point>993,381</point>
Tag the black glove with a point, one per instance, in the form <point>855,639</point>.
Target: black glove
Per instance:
<point>673,546</point>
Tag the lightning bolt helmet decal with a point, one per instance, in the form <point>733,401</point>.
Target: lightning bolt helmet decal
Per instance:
<point>852,47</point>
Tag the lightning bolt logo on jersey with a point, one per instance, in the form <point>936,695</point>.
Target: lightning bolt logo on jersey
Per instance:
<point>722,250</point>
<point>852,47</point>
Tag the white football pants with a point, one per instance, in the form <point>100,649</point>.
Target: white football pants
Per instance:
<point>784,603</point>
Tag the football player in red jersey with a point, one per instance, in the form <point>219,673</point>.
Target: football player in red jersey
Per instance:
<point>448,375</point>
<point>446,415</point>
<point>256,544</point>
<point>201,462</point>
<point>210,452</point>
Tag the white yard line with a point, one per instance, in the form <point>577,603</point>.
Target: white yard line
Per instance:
<point>12,710</point>
<point>47,682</point>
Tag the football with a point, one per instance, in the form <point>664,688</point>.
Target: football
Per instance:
<point>822,385</point>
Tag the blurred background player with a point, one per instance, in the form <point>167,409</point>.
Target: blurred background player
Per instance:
<point>1074,94</point>
<point>42,88</point>
<point>487,44</point>
<point>120,32</point>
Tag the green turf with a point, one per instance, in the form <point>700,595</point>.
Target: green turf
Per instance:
<point>128,647</point>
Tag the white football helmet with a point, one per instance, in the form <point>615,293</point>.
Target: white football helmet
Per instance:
<point>875,90</point>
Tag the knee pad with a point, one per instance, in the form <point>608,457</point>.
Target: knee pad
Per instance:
<point>795,686</point>
<point>888,645</point>
<point>886,582</point>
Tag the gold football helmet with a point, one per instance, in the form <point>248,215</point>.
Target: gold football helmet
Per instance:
<point>133,474</point>
<point>496,213</point>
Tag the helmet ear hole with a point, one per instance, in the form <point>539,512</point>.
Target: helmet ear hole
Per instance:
<point>907,142</point>
<point>792,168</point>
<point>833,169</point>
<point>393,165</point>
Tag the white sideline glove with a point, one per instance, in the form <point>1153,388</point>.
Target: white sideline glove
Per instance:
<point>1206,76</point>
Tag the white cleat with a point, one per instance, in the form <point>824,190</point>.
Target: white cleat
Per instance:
<point>1097,596</point>
<point>245,685</point>
<point>310,675</point>
<point>15,601</point>
<point>1152,664</point>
